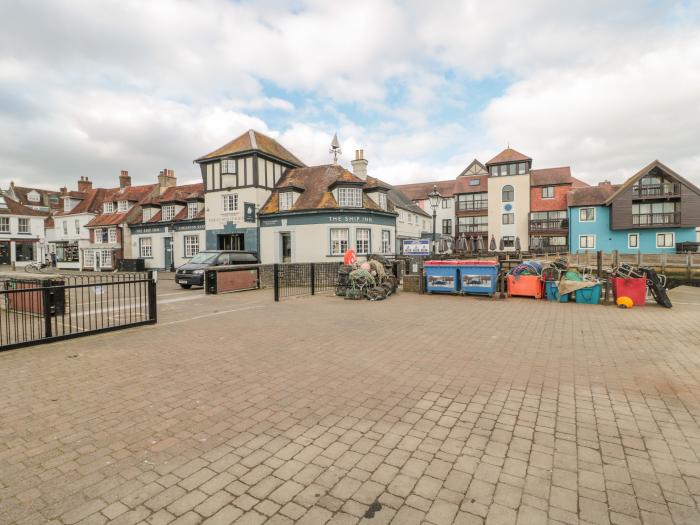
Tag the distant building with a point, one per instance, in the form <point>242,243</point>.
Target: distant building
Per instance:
<point>445,212</point>
<point>650,213</point>
<point>21,233</point>
<point>471,203</point>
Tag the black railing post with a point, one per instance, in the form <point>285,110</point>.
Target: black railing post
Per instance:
<point>276,281</point>
<point>313,279</point>
<point>46,307</point>
<point>152,301</point>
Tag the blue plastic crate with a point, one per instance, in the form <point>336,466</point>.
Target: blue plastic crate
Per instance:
<point>589,295</point>
<point>552,291</point>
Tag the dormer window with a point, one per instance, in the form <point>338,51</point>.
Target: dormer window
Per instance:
<point>349,197</point>
<point>286,200</point>
<point>123,206</point>
<point>192,210</point>
<point>33,196</point>
<point>108,207</point>
<point>147,213</point>
<point>382,200</point>
<point>66,205</point>
<point>168,213</point>
<point>519,168</point>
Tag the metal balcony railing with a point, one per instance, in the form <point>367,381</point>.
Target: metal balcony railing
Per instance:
<point>653,219</point>
<point>549,224</point>
<point>666,189</point>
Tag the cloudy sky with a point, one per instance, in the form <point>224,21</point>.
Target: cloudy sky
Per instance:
<point>92,87</point>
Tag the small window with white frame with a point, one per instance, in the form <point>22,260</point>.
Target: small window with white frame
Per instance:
<point>633,240</point>
<point>382,200</point>
<point>362,241</point>
<point>147,213</point>
<point>106,258</point>
<point>112,236</point>
<point>586,242</point>
<point>33,196</point>
<point>665,240</point>
<point>228,166</point>
<point>191,245</point>
<point>4,225</point>
<point>98,235</point>
<point>230,202</point>
<point>88,258</point>
<point>123,206</point>
<point>386,241</point>
<point>145,247</point>
<point>168,213</point>
<point>286,200</point>
<point>192,209</point>
<point>66,204</point>
<point>108,207</point>
<point>548,192</point>
<point>350,197</point>
<point>339,240</point>
<point>586,215</point>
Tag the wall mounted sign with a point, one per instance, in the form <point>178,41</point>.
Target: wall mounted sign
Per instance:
<point>418,247</point>
<point>249,212</point>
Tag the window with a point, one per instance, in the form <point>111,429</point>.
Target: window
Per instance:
<point>228,166</point>
<point>382,200</point>
<point>65,227</point>
<point>507,193</point>
<point>168,213</point>
<point>23,226</point>
<point>410,218</point>
<point>548,192</point>
<point>191,245</point>
<point>33,196</point>
<point>362,238</point>
<point>24,251</point>
<point>339,241</point>
<point>66,204</point>
<point>557,241</point>
<point>512,168</point>
<point>88,259</point>
<point>508,218</point>
<point>586,214</point>
<point>386,241</point>
<point>147,214</point>
<point>472,201</point>
<point>478,223</point>
<point>4,225</point>
<point>123,206</point>
<point>286,200</point>
<point>503,170</point>
<point>98,235</point>
<point>350,197</point>
<point>106,259</point>
<point>145,248</point>
<point>656,213</point>
<point>76,223</point>
<point>474,182</point>
<point>230,202</point>
<point>508,241</point>
<point>494,171</point>
<point>633,240</point>
<point>192,209</point>
<point>665,240</point>
<point>112,236</point>
<point>447,226</point>
<point>522,168</point>
<point>446,203</point>
<point>108,207</point>
<point>586,242</point>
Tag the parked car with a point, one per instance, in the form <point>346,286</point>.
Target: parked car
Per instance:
<point>192,273</point>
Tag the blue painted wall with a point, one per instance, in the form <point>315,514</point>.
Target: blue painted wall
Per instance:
<point>250,237</point>
<point>608,240</point>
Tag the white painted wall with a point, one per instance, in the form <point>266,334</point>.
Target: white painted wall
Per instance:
<point>157,261</point>
<point>216,218</point>
<point>441,213</point>
<point>36,234</point>
<point>520,207</point>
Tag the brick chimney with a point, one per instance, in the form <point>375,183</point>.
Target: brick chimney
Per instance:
<point>124,179</point>
<point>359,165</point>
<point>604,183</point>
<point>84,184</point>
<point>166,179</point>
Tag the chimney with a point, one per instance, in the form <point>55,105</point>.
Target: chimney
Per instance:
<point>84,184</point>
<point>604,183</point>
<point>124,180</point>
<point>64,190</point>
<point>359,165</point>
<point>166,179</point>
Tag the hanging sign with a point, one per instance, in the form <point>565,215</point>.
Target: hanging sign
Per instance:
<point>249,212</point>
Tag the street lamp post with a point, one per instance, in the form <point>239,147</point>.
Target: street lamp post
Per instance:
<point>435,199</point>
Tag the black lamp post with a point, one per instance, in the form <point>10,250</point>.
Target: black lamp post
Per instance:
<point>435,198</point>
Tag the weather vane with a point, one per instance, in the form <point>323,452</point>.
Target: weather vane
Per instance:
<point>335,149</point>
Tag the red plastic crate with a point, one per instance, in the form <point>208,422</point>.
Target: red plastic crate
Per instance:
<point>633,287</point>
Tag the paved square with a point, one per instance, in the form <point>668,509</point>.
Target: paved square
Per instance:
<point>418,409</point>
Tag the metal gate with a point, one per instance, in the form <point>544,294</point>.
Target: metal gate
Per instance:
<point>297,279</point>
<point>43,310</point>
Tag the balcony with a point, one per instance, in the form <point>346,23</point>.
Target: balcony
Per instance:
<point>549,225</point>
<point>657,219</point>
<point>473,205</point>
<point>472,229</point>
<point>665,189</point>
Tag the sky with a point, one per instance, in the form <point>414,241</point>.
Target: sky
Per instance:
<point>88,88</point>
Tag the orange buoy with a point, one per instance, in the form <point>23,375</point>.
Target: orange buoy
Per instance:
<point>624,302</point>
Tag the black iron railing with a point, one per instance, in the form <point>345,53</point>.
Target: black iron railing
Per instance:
<point>297,279</point>
<point>34,311</point>
<point>666,189</point>
<point>649,219</point>
<point>549,224</point>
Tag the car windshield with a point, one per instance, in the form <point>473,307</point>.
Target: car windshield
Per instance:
<point>204,258</point>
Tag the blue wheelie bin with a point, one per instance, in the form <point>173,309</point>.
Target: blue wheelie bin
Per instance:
<point>441,276</point>
<point>479,276</point>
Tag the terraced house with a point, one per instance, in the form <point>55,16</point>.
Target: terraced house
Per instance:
<point>650,212</point>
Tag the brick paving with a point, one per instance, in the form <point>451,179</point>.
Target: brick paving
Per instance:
<point>418,409</point>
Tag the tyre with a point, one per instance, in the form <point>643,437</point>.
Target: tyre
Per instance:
<point>186,286</point>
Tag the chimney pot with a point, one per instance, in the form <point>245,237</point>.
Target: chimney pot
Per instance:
<point>124,179</point>
<point>359,165</point>
<point>166,179</point>
<point>84,184</point>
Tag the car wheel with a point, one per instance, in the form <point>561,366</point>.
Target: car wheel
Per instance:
<point>186,286</point>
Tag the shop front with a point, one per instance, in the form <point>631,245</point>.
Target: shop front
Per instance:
<point>67,254</point>
<point>100,259</point>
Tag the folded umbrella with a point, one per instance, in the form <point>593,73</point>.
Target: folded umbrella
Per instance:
<point>492,244</point>
<point>479,244</point>
<point>502,245</point>
<point>517,244</point>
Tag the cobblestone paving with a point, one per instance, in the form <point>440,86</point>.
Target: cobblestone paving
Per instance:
<point>413,410</point>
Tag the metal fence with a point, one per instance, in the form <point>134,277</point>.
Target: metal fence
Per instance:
<point>291,280</point>
<point>56,307</point>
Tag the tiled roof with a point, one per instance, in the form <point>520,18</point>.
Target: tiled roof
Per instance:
<point>91,203</point>
<point>419,191</point>
<point>108,219</point>
<point>253,140</point>
<point>555,176</point>
<point>463,184</point>
<point>21,193</point>
<point>177,194</point>
<point>130,193</point>
<point>591,195</point>
<point>316,182</point>
<point>508,155</point>
<point>396,196</point>
<point>12,207</point>
<point>646,169</point>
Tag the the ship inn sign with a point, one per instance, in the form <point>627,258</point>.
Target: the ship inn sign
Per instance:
<point>330,218</point>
